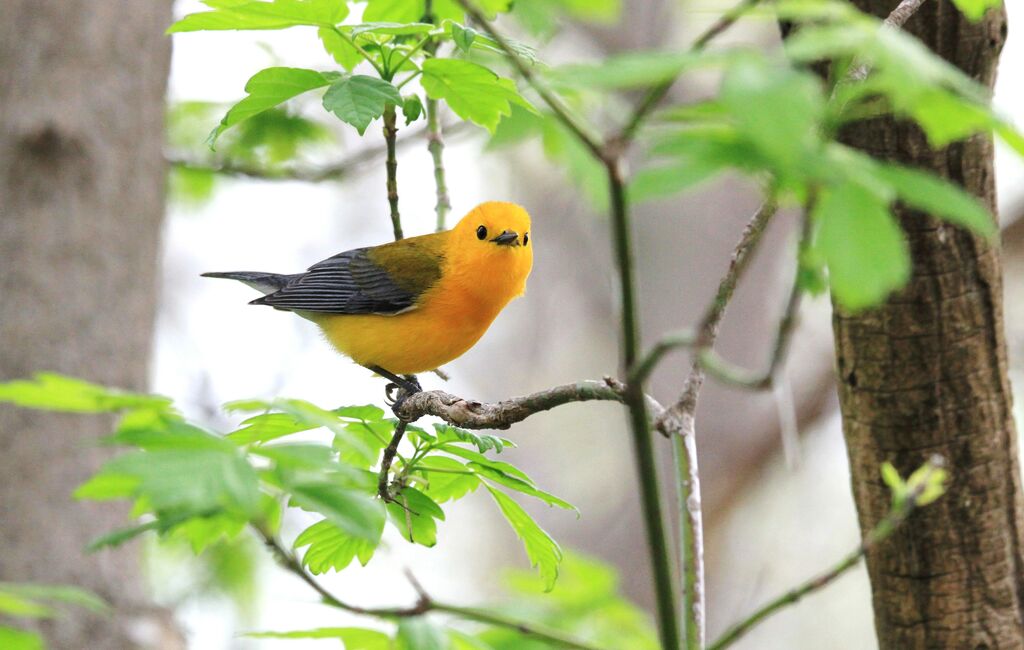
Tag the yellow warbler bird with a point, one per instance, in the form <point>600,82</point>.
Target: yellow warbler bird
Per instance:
<point>415,304</point>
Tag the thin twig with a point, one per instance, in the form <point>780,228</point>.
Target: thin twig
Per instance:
<point>896,517</point>
<point>679,420</point>
<point>657,93</point>
<point>336,171</point>
<point>424,603</point>
<point>896,19</point>
<point>383,489</point>
<point>391,165</point>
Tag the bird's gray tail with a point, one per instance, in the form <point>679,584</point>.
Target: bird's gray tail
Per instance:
<point>263,282</point>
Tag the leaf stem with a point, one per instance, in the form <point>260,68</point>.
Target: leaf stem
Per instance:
<point>366,55</point>
<point>409,54</point>
<point>383,489</point>
<point>391,165</point>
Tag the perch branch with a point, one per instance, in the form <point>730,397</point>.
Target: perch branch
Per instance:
<point>424,603</point>
<point>470,414</point>
<point>383,490</point>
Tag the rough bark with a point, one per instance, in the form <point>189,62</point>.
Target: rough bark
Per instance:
<point>81,180</point>
<point>927,373</point>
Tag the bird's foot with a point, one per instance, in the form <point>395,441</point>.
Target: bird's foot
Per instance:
<point>396,392</point>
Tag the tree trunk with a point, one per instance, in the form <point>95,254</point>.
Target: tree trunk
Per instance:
<point>926,373</point>
<point>82,186</point>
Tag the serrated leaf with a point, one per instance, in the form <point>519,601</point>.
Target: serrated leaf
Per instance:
<point>341,50</point>
<point>484,442</point>
<point>452,482</point>
<point>939,197</point>
<point>356,513</point>
<point>472,91</point>
<point>299,456</point>
<point>331,548</point>
<point>497,465</point>
<point>420,633</point>
<point>863,245</point>
<point>276,14</point>
<point>268,88</point>
<point>359,99</point>
<point>544,552</point>
<point>54,392</point>
<point>353,638</point>
<point>195,480</point>
<point>202,532</point>
<point>413,513</point>
<point>519,485</point>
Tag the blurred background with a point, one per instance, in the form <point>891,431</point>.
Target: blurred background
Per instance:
<point>777,507</point>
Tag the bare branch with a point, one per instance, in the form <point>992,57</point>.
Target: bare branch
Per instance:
<point>470,414</point>
<point>896,517</point>
<point>424,603</point>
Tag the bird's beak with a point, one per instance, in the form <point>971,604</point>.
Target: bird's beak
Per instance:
<point>507,238</point>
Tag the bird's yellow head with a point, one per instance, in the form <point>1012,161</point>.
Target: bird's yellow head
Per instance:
<point>493,246</point>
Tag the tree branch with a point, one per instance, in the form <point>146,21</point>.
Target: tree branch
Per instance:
<point>391,164</point>
<point>424,603</point>
<point>470,414</point>
<point>435,139</point>
<point>383,489</point>
<point>897,515</point>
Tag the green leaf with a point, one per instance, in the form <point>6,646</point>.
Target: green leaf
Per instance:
<point>484,442</point>
<point>519,485</point>
<point>195,480</point>
<point>472,91</point>
<point>304,416</point>
<point>419,633</point>
<point>53,392</point>
<point>975,9</point>
<point>122,535</point>
<point>786,125</point>
<point>358,99</point>
<point>452,482</point>
<point>331,548</point>
<point>412,108</point>
<point>665,180</point>
<point>544,552</point>
<point>63,594</point>
<point>891,477</point>
<point>413,513</point>
<point>354,512</point>
<point>366,412</point>
<point>277,14</point>
<point>202,532</point>
<point>268,88</point>
<point>14,639</point>
<point>395,11</point>
<point>390,28</point>
<point>463,37</point>
<point>353,638</point>
<point>298,456</point>
<point>107,487</point>
<point>497,465</point>
<point>939,197</point>
<point>18,605</point>
<point>863,245</point>
<point>340,49</point>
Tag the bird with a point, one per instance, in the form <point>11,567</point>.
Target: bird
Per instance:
<point>412,305</point>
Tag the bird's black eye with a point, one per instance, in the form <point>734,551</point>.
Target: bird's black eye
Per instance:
<point>526,238</point>
<point>481,232</point>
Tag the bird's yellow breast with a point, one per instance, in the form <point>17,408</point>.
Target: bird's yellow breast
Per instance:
<point>447,320</point>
